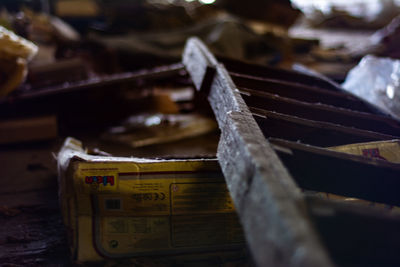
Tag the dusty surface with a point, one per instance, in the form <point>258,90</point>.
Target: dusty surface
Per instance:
<point>31,232</point>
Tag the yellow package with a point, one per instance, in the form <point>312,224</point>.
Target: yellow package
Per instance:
<point>384,150</point>
<point>127,207</point>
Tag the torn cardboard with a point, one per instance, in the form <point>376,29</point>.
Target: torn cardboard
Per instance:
<point>116,207</point>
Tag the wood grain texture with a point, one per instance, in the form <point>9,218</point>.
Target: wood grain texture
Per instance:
<point>281,74</point>
<point>321,112</point>
<point>311,132</point>
<point>323,170</point>
<point>270,205</point>
<point>199,62</point>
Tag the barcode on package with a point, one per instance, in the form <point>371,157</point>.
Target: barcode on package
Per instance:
<point>112,204</point>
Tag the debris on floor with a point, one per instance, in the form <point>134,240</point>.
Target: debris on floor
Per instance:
<point>250,111</point>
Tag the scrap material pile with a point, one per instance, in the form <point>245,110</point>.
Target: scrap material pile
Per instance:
<point>126,141</point>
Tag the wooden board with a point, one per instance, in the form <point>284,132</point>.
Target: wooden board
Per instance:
<point>267,176</point>
<point>28,129</point>
<point>270,206</point>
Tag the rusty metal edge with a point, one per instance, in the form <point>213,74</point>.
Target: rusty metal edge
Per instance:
<point>271,207</point>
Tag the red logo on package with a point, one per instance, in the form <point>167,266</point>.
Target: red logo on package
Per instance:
<point>105,180</point>
<point>372,153</point>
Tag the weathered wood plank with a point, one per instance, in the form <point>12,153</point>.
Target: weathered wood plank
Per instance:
<point>300,92</point>
<point>305,78</point>
<point>321,112</point>
<point>96,82</point>
<point>199,63</point>
<point>328,171</point>
<point>282,74</point>
<point>316,133</point>
<point>270,206</point>
<point>28,129</point>
<point>279,224</point>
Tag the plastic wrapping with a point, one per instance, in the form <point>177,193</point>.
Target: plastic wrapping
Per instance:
<point>15,46</point>
<point>377,80</point>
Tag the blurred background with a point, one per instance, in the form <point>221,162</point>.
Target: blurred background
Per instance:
<point>329,36</point>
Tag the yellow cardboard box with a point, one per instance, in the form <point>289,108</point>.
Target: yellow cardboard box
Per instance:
<point>127,207</point>
<point>384,150</point>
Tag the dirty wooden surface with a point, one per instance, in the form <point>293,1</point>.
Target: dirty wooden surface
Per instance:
<point>270,206</point>
<point>31,233</point>
<point>269,179</point>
